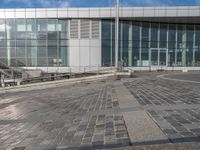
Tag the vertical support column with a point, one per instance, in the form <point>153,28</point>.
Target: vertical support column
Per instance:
<point>26,49</point>
<point>100,38</point>
<point>176,45</point>
<point>34,51</point>
<point>149,46</point>
<point>140,55</point>
<point>184,47</point>
<point>121,44</point>
<point>111,44</point>
<point>130,45</point>
<point>47,60</point>
<point>90,41</point>
<point>58,51</point>
<point>159,44</point>
<point>117,34</point>
<point>8,44</point>
<point>194,47</point>
<point>167,51</point>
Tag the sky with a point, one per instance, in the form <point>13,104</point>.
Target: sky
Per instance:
<point>92,3</point>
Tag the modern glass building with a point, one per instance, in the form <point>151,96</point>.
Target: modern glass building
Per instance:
<point>85,37</point>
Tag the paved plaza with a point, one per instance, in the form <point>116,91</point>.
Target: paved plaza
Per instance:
<point>102,114</point>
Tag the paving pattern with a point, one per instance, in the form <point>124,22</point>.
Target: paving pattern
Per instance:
<point>81,116</point>
<point>173,105</point>
<point>88,115</point>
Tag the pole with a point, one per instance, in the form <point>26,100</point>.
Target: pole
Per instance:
<point>117,35</point>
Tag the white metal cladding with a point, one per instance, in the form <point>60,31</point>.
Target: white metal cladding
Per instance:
<point>74,28</point>
<point>95,29</point>
<point>85,28</point>
<point>125,12</point>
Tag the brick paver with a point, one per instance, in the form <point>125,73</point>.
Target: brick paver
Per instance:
<point>89,115</point>
<point>173,105</point>
<point>84,115</point>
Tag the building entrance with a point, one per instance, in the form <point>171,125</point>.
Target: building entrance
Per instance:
<point>158,57</point>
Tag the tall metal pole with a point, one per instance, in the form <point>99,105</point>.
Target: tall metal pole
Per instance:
<point>117,35</point>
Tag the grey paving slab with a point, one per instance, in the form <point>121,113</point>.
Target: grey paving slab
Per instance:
<point>143,129</point>
<point>124,97</point>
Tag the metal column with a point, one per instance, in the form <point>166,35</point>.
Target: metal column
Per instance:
<point>117,35</point>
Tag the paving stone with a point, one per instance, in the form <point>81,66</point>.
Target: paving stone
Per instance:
<point>89,116</point>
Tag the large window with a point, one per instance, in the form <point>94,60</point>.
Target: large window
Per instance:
<point>136,44</point>
<point>189,45</point>
<point>172,44</point>
<point>125,43</point>
<point>145,44</point>
<point>106,43</point>
<point>34,42</point>
<point>197,45</point>
<point>154,35</point>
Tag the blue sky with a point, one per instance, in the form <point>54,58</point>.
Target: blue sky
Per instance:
<point>93,3</point>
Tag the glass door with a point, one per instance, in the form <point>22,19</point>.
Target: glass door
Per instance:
<point>163,57</point>
<point>154,57</point>
<point>158,57</point>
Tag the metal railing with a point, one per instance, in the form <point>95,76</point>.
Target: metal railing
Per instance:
<point>55,73</point>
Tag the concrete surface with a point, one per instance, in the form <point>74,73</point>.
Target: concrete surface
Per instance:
<point>142,129</point>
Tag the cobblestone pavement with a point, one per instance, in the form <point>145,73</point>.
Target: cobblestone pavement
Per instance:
<point>173,105</point>
<point>88,115</point>
<point>191,76</point>
<point>82,116</point>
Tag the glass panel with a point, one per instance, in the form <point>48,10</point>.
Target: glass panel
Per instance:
<point>136,44</point>
<point>63,56</point>
<point>145,44</point>
<point>62,29</point>
<point>189,44</point>
<point>31,28</point>
<point>154,35</point>
<point>171,44</point>
<point>52,56</point>
<point>3,52</point>
<point>163,35</point>
<point>162,57</point>
<point>113,43</point>
<point>180,45</point>
<point>197,45</point>
<point>106,43</point>
<point>154,57</point>
<point>2,29</point>
<point>33,41</point>
<point>125,42</point>
<point>42,56</point>
<point>41,25</point>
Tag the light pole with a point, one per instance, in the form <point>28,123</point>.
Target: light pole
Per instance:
<point>117,35</point>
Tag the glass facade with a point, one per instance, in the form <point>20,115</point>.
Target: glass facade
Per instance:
<point>145,44</point>
<point>34,42</point>
<point>45,43</point>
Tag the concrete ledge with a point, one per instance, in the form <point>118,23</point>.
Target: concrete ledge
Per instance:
<point>58,82</point>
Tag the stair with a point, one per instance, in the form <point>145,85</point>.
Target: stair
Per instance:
<point>9,72</point>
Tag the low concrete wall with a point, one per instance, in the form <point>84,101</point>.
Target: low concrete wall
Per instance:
<point>82,69</point>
